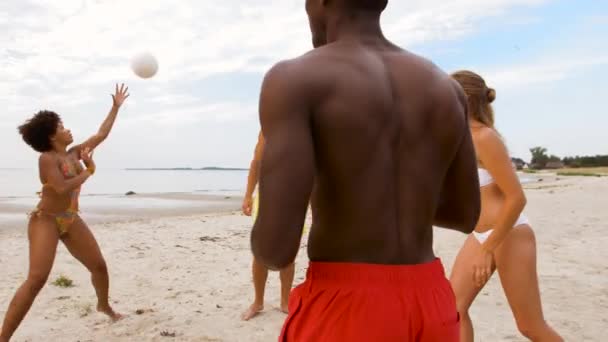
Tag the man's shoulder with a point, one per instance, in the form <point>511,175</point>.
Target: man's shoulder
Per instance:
<point>421,71</point>
<point>444,96</point>
<point>301,65</point>
<point>442,86</point>
<point>296,74</point>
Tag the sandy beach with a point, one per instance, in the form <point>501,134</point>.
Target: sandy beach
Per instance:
<point>186,274</point>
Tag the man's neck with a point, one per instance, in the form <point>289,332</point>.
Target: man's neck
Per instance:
<point>359,26</point>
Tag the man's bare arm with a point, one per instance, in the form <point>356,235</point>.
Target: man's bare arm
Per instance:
<point>459,201</point>
<point>287,170</point>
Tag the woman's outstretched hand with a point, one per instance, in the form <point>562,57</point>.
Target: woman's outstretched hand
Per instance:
<point>120,95</point>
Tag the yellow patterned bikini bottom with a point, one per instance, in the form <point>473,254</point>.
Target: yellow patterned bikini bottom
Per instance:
<point>63,220</point>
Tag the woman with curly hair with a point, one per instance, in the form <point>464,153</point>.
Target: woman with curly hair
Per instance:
<point>56,215</point>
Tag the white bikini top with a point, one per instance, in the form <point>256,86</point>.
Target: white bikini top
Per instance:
<point>485,178</point>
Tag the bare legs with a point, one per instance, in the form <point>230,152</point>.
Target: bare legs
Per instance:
<point>81,243</point>
<point>260,275</point>
<point>286,276</point>
<point>43,238</point>
<point>464,288</point>
<point>516,264</point>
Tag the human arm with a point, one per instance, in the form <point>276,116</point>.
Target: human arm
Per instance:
<point>495,158</point>
<point>118,98</point>
<point>253,175</point>
<point>49,170</point>
<point>459,201</point>
<point>287,168</point>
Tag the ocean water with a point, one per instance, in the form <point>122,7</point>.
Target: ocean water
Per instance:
<point>24,183</point>
<point>102,195</point>
<point>106,189</point>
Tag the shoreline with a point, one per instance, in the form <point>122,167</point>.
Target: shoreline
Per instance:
<point>112,208</point>
<point>106,209</point>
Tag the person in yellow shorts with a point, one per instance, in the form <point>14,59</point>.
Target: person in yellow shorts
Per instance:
<point>260,272</point>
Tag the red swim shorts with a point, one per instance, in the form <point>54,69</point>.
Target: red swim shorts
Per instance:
<point>352,302</point>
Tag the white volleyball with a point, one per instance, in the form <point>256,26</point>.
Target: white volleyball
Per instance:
<point>144,65</point>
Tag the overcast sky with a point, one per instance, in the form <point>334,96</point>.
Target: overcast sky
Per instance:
<point>547,60</point>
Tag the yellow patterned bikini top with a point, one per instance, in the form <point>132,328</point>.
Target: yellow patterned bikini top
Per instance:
<point>69,170</point>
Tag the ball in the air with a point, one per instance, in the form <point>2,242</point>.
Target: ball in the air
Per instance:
<point>144,65</point>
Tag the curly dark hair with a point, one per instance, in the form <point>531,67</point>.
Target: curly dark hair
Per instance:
<point>38,130</point>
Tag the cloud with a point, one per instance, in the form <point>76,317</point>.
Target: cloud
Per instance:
<point>78,46</point>
<point>188,115</point>
<point>576,52</point>
<point>599,19</point>
<point>414,22</point>
<point>543,71</point>
<point>81,39</point>
<point>66,55</point>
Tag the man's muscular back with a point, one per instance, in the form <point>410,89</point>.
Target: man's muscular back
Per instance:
<point>380,133</point>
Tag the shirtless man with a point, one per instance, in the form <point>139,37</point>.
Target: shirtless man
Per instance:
<point>260,272</point>
<point>377,137</point>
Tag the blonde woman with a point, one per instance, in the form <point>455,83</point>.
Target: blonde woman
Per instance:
<point>503,239</point>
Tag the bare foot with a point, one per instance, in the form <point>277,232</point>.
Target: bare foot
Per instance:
<point>253,310</point>
<point>114,316</point>
<point>285,308</point>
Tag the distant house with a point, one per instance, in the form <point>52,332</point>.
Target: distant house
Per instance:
<point>536,166</point>
<point>518,163</point>
<point>554,165</point>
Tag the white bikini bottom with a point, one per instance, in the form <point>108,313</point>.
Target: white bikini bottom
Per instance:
<point>483,236</point>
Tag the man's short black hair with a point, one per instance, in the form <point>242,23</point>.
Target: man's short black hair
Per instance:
<point>368,5</point>
<point>38,130</point>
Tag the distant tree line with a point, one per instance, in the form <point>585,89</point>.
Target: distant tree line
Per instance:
<point>586,161</point>
<point>541,160</point>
